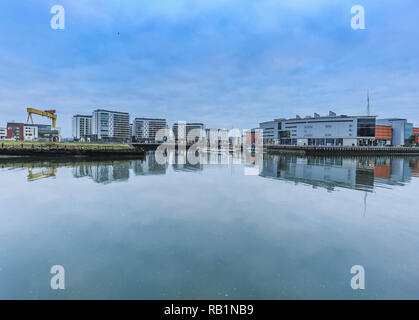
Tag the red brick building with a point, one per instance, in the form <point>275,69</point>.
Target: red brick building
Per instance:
<point>15,131</point>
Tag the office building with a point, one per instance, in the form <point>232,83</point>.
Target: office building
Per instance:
<point>145,129</point>
<point>383,135</point>
<point>402,131</point>
<point>82,128</point>
<point>30,133</point>
<point>46,132</point>
<point>331,130</point>
<point>110,126</point>
<point>416,135</point>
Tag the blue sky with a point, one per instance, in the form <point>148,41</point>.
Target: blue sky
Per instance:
<point>231,63</point>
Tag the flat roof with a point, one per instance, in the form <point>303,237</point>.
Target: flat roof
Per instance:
<point>81,115</point>
<point>189,123</point>
<point>160,119</point>
<point>394,119</point>
<point>343,116</point>
<point>103,110</point>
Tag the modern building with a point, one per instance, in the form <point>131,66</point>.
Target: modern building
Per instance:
<point>331,130</point>
<point>46,132</point>
<point>181,130</point>
<point>30,132</point>
<point>408,133</point>
<point>416,135</point>
<point>145,129</point>
<point>110,126</point>
<point>3,133</point>
<point>383,135</point>
<point>82,127</point>
<point>402,131</point>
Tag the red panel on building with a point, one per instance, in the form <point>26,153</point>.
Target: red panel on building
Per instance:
<point>383,132</point>
<point>416,134</point>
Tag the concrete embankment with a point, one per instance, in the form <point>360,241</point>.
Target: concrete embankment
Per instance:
<point>66,150</point>
<point>349,151</point>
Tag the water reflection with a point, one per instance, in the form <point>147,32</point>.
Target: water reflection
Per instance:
<point>196,230</point>
<point>353,173</point>
<point>358,173</point>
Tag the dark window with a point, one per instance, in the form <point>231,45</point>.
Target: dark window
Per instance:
<point>284,134</point>
<point>366,127</point>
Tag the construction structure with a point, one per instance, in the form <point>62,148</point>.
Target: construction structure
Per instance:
<point>47,113</point>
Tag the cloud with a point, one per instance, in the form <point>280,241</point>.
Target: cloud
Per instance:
<point>225,63</point>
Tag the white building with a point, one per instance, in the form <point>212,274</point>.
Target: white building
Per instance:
<point>331,130</point>
<point>3,133</point>
<point>82,127</point>
<point>145,129</point>
<point>111,126</point>
<point>30,133</point>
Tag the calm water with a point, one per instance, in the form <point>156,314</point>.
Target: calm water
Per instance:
<point>135,229</point>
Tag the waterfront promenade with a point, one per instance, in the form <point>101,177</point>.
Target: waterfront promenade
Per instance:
<point>67,149</point>
<point>337,150</point>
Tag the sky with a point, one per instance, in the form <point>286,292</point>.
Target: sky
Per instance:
<point>228,64</point>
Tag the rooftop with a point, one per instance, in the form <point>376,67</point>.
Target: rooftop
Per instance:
<point>103,110</point>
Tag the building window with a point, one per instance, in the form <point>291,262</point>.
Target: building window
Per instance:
<point>366,127</point>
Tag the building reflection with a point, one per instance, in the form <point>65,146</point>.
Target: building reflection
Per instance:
<point>148,166</point>
<point>104,173</point>
<point>181,162</point>
<point>358,173</point>
<point>352,173</point>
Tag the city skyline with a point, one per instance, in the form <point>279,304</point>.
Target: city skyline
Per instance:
<point>226,64</point>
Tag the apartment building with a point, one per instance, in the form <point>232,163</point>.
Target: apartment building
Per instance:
<point>110,126</point>
<point>82,127</point>
<point>144,130</point>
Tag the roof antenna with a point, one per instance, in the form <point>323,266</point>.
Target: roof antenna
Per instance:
<point>368,103</point>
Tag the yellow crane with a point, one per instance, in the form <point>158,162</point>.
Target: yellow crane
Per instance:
<point>47,113</point>
<point>48,173</point>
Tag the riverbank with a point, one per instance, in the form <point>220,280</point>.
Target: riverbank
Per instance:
<point>45,149</point>
<point>349,151</point>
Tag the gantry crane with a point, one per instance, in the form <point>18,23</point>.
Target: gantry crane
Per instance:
<point>48,173</point>
<point>47,113</point>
